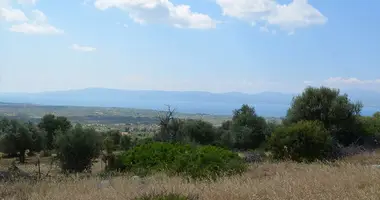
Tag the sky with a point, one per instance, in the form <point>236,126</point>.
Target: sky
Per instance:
<point>245,46</point>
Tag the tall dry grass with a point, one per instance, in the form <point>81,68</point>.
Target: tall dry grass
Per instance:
<point>269,181</point>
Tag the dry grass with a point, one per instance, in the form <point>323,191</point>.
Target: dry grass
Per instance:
<point>265,181</point>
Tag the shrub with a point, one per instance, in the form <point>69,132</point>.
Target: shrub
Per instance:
<point>190,161</point>
<point>108,145</point>
<point>166,196</point>
<point>125,142</point>
<point>199,131</point>
<point>212,162</point>
<point>115,163</point>
<point>339,115</point>
<point>303,141</point>
<point>248,128</point>
<point>76,148</point>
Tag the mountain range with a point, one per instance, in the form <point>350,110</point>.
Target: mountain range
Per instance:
<point>269,104</point>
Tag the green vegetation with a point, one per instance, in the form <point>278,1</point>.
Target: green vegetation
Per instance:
<point>17,137</point>
<point>302,141</point>
<point>321,124</point>
<point>77,148</point>
<point>51,125</point>
<point>176,159</point>
<point>337,113</point>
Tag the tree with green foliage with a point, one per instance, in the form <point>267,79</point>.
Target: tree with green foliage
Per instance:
<point>77,147</point>
<point>108,145</point>
<point>125,142</point>
<point>115,135</point>
<point>226,125</point>
<point>371,128</point>
<point>199,131</point>
<point>51,125</point>
<point>302,141</point>
<point>376,115</point>
<point>16,140</point>
<point>250,130</point>
<point>38,137</point>
<point>225,138</point>
<point>337,113</point>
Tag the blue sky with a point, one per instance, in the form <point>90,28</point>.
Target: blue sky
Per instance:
<point>205,45</point>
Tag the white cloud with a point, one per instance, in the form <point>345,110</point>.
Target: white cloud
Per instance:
<point>350,81</point>
<point>39,16</point>
<point>34,28</point>
<point>77,47</point>
<point>159,11</point>
<point>26,2</point>
<point>288,17</point>
<point>4,3</point>
<point>12,15</point>
<point>39,25</point>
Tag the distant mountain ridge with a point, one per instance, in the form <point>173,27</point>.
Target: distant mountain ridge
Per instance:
<point>270,104</point>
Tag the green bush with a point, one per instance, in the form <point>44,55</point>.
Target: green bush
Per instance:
<point>203,162</point>
<point>77,148</point>
<point>339,115</point>
<point>198,131</point>
<point>164,196</point>
<point>125,142</point>
<point>303,141</point>
<point>115,162</point>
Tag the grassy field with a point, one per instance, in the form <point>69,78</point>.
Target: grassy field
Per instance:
<point>352,178</point>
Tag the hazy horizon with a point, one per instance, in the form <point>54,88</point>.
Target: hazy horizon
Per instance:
<point>201,91</point>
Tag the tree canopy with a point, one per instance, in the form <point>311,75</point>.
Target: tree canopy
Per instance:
<point>336,111</point>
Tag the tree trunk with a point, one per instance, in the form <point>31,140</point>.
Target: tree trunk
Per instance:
<point>22,157</point>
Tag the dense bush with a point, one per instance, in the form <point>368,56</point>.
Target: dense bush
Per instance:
<point>302,141</point>
<point>115,162</point>
<point>198,131</point>
<point>125,142</point>
<point>16,140</point>
<point>51,125</point>
<point>371,125</point>
<point>249,129</point>
<point>337,113</point>
<point>77,148</point>
<point>189,161</point>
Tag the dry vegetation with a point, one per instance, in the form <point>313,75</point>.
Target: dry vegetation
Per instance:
<point>352,178</point>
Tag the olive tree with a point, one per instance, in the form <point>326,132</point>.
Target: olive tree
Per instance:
<point>338,114</point>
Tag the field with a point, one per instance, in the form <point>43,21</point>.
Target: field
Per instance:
<point>139,121</point>
<point>352,178</point>
<point>97,115</point>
